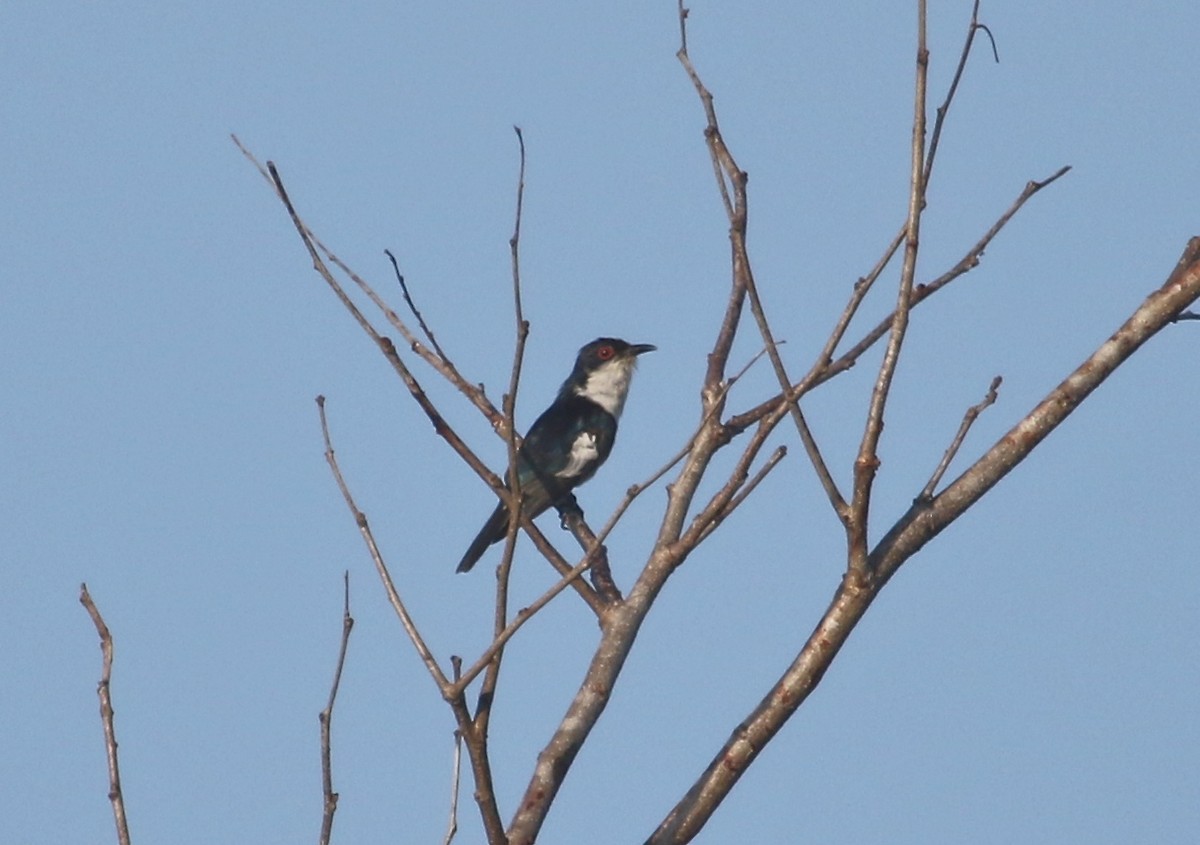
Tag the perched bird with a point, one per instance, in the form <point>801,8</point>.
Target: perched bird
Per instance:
<point>571,439</point>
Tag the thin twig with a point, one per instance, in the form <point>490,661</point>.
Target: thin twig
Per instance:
<point>920,293</point>
<point>923,522</point>
<point>867,462</point>
<point>967,421</point>
<point>731,182</point>
<point>818,376</point>
<point>519,619</point>
<point>456,768</point>
<point>412,306</point>
<point>326,717</point>
<point>865,283</point>
<point>734,503</point>
<point>942,110</point>
<point>859,292</point>
<point>476,741</point>
<point>115,795</point>
<point>360,519</point>
<point>595,553</point>
<point>384,343</point>
<point>718,506</point>
<point>439,362</point>
<point>514,496</point>
<point>745,272</point>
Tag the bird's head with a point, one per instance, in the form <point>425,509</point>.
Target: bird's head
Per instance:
<point>603,371</point>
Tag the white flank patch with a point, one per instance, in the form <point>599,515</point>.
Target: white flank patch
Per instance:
<point>609,385</point>
<point>583,453</point>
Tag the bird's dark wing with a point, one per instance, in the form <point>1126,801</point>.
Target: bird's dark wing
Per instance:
<point>566,445</point>
<point>564,448</point>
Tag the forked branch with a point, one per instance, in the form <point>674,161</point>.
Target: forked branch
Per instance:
<point>924,520</point>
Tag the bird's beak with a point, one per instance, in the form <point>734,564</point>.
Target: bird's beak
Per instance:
<point>639,348</point>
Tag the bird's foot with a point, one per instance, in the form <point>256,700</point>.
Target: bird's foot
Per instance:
<point>568,511</point>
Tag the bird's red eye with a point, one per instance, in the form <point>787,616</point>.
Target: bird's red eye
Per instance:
<point>605,352</point>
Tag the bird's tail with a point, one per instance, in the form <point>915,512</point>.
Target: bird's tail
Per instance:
<point>493,531</point>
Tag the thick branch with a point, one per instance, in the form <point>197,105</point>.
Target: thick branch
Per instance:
<point>923,522</point>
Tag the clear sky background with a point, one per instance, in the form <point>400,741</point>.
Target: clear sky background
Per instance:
<point>1030,677</point>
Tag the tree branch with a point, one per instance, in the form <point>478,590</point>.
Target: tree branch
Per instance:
<point>456,768</point>
<point>923,521</point>
<point>412,306</point>
<point>326,719</point>
<point>823,373</point>
<point>968,420</point>
<point>360,519</point>
<point>867,462</point>
<point>439,362</point>
<point>487,691</point>
<point>115,795</point>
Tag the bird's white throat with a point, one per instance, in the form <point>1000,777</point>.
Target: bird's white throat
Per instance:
<point>608,385</point>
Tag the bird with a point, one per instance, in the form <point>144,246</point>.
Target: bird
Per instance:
<point>571,439</point>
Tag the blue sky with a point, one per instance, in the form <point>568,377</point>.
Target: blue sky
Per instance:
<point>1030,677</point>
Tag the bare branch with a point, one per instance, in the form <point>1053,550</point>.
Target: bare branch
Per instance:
<point>865,283</point>
<point>476,740</point>
<point>944,109</point>
<point>522,332</point>
<point>456,769</point>
<point>619,626</point>
<point>522,616</point>
<point>731,181</point>
<point>360,519</point>
<point>440,363</point>
<point>701,523</point>
<point>709,414</point>
<point>597,554</point>
<point>744,273</point>
<point>819,375</point>
<point>741,496</point>
<point>115,795</point>
<point>968,420</point>
<point>440,426</point>
<point>923,521</point>
<point>412,306</point>
<point>921,175</point>
<point>326,718</point>
<point>514,497</point>
<point>867,462</point>
<point>741,749</point>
